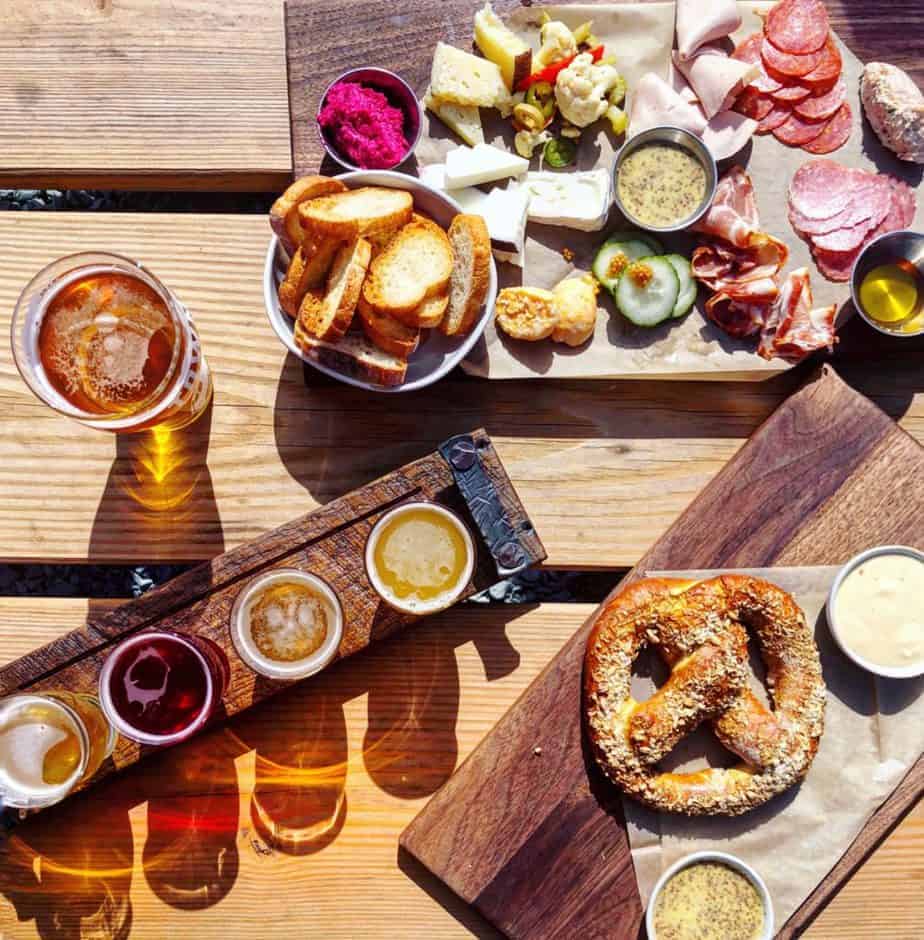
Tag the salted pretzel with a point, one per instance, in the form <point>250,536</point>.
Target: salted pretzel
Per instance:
<point>698,628</point>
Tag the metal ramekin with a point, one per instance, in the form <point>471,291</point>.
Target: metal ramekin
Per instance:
<point>398,92</point>
<point>887,249</point>
<point>666,134</point>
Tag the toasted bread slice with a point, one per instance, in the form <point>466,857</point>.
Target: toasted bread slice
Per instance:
<point>356,212</point>
<point>294,285</point>
<point>428,315</point>
<point>331,318</point>
<point>354,354</point>
<point>387,333</point>
<point>526,312</point>
<point>417,264</point>
<point>319,254</point>
<point>283,216</point>
<point>471,248</point>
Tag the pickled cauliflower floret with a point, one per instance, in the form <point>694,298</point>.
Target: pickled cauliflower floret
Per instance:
<point>581,90</point>
<point>557,43</point>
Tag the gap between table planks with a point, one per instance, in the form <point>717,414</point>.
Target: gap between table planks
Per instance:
<point>122,826</point>
<point>603,468</point>
<point>191,94</point>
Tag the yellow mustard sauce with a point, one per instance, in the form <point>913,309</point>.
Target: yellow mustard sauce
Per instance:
<point>708,901</point>
<point>891,293</point>
<point>661,184</point>
<point>420,556</point>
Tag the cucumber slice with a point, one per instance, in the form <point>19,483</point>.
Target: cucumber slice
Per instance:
<point>688,285</point>
<point>653,302</point>
<point>656,247</point>
<point>632,249</point>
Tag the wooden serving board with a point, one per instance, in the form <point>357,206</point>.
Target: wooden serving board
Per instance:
<point>329,542</point>
<point>527,830</point>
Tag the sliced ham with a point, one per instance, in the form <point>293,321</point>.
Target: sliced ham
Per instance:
<point>676,80</point>
<point>716,78</point>
<point>798,26</point>
<point>702,21</point>
<point>727,133</point>
<point>836,132</point>
<point>817,106</point>
<point>654,102</point>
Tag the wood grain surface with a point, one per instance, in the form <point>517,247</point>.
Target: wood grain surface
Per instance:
<point>545,854</point>
<point>400,35</point>
<point>329,542</point>
<point>136,95</point>
<point>603,468</point>
<point>457,673</point>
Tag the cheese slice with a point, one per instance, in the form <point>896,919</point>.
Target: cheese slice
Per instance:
<point>579,200</point>
<point>466,79</point>
<point>483,163</point>
<point>464,120</point>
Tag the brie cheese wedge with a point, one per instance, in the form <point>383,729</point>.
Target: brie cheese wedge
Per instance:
<point>578,200</point>
<point>483,163</point>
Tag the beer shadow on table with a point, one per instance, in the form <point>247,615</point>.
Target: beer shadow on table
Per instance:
<point>160,490</point>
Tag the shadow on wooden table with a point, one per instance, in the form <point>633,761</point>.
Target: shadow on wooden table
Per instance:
<point>159,493</point>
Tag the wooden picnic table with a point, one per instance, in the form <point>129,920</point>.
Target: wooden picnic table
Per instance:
<point>178,846</point>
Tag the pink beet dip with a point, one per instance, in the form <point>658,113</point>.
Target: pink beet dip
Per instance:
<point>364,126</point>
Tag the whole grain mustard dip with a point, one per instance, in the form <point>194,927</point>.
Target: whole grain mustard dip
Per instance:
<point>661,184</point>
<point>708,901</point>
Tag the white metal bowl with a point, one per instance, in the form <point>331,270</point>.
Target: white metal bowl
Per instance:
<point>437,354</point>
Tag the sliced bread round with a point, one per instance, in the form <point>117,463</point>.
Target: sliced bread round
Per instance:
<point>471,248</point>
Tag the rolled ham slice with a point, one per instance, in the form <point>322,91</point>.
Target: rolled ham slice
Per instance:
<point>654,102</point>
<point>727,133</point>
<point>702,21</point>
<point>733,213</point>
<point>716,78</point>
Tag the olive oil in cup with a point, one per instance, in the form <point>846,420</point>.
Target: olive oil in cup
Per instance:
<point>420,558</point>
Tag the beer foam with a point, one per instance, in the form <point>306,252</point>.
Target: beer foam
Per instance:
<point>288,623</point>
<point>24,748</point>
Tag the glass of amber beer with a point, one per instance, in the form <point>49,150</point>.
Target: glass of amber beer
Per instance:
<point>98,338</point>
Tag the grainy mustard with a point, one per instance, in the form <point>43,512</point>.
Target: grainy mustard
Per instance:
<point>661,184</point>
<point>708,901</point>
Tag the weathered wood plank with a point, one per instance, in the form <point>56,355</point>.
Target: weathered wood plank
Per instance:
<point>125,94</point>
<point>439,674</point>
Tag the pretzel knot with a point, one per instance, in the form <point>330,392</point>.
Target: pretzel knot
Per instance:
<point>699,630</point>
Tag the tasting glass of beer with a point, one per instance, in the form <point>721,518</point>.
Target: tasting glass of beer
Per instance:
<point>50,742</point>
<point>160,687</point>
<point>99,338</point>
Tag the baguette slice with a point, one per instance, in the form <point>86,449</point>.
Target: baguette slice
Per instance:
<point>283,217</point>
<point>417,264</point>
<point>471,247</point>
<point>294,285</point>
<point>387,333</point>
<point>355,355</point>
<point>363,211</point>
<point>330,318</point>
<point>319,254</point>
<point>428,315</point>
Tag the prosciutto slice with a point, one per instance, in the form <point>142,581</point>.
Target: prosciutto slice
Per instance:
<point>702,21</point>
<point>733,213</point>
<point>793,328</point>
<point>654,102</point>
<point>716,78</point>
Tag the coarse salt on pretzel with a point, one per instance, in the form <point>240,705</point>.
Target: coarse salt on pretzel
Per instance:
<point>698,628</point>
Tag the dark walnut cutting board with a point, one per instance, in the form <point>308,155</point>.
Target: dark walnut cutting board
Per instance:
<point>527,830</point>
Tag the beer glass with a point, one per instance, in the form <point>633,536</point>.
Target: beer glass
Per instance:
<point>99,338</point>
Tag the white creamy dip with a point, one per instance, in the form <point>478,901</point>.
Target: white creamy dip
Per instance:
<point>879,610</point>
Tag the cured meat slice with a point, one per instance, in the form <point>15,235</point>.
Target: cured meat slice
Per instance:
<point>817,107</point>
<point>733,213</point>
<point>715,77</point>
<point>797,26</point>
<point>735,317</point>
<point>870,198</point>
<point>792,328</point>
<point>796,131</point>
<point>791,94</point>
<point>836,265</point>
<point>655,102</point>
<point>727,133</point>
<point>748,50</point>
<point>777,116</point>
<point>794,292</point>
<point>829,68</point>
<point>753,103</point>
<point>732,269</point>
<point>901,212</point>
<point>835,134</point>
<point>820,189</point>
<point>844,239</point>
<point>702,21</point>
<point>784,65</point>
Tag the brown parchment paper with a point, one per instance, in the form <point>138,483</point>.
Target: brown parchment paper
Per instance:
<point>874,733</point>
<point>641,37</point>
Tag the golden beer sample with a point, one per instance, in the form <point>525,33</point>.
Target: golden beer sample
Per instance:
<point>288,621</point>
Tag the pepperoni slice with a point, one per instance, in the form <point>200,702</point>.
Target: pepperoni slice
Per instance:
<point>828,69</point>
<point>797,26</point>
<point>779,115</point>
<point>796,131</point>
<point>748,50</point>
<point>785,64</point>
<point>835,134</point>
<point>751,103</point>
<point>824,105</point>
<point>791,94</point>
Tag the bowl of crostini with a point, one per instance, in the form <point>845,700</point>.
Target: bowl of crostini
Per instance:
<point>377,279</point>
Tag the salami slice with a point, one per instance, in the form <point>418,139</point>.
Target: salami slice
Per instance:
<point>753,104</point>
<point>797,26</point>
<point>821,106</point>
<point>870,198</point>
<point>835,134</point>
<point>836,265</point>
<point>779,115</point>
<point>781,65</point>
<point>748,50</point>
<point>845,239</point>
<point>796,131</point>
<point>901,208</point>
<point>828,69</point>
<point>820,189</point>
<point>791,94</point>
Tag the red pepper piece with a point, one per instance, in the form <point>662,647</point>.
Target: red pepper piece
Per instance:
<point>550,72</point>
